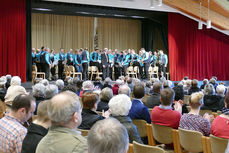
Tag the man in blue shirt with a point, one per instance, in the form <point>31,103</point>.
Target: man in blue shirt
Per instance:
<point>163,61</point>
<point>146,62</point>
<point>45,61</point>
<point>33,56</point>
<point>94,58</point>
<point>111,62</point>
<point>77,61</point>
<point>61,59</point>
<point>85,62</point>
<point>126,61</point>
<point>117,68</point>
<point>37,60</point>
<point>53,58</point>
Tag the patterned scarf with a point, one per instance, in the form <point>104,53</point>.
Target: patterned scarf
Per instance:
<point>225,111</point>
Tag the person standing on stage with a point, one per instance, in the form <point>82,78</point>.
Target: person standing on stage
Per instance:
<point>111,62</point>
<point>85,62</point>
<point>45,62</point>
<point>154,59</point>
<point>69,57</point>
<point>163,61</point>
<point>53,58</point>
<point>117,71</point>
<point>94,58</point>
<point>38,59</point>
<point>61,59</point>
<point>105,63</point>
<point>146,62</point>
<point>77,61</point>
<point>126,62</point>
<point>33,56</point>
<point>136,62</point>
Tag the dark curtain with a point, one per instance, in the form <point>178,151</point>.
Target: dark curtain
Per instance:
<point>151,31</point>
<point>13,38</point>
<point>196,53</point>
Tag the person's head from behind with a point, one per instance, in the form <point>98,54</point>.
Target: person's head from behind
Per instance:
<point>209,89</point>
<point>196,99</point>
<point>38,90</point>
<point>65,110</point>
<point>157,87</point>
<point>106,94</point>
<point>42,113</point>
<point>124,89</point>
<point>167,97</point>
<point>60,84</point>
<point>45,82</point>
<point>120,105</point>
<point>205,81</point>
<point>23,107</point>
<point>139,91</point>
<point>88,85</point>
<point>194,83</point>
<point>220,89</point>
<point>50,91</point>
<point>90,100</point>
<point>104,139</point>
<point>107,81</point>
<point>69,88</point>
<point>16,80</point>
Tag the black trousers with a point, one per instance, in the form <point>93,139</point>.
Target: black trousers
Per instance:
<point>85,71</point>
<point>140,69</point>
<point>46,70</point>
<point>124,69</point>
<point>105,72</point>
<point>117,71</point>
<point>60,70</point>
<point>111,72</point>
<point>38,67</point>
<point>146,70</point>
<point>162,68</point>
<point>53,72</point>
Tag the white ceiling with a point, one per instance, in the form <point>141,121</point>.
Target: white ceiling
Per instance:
<point>132,4</point>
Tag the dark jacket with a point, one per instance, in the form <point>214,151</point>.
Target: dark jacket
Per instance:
<point>33,137</point>
<point>106,86</point>
<point>102,105</point>
<point>193,90</point>
<point>38,100</point>
<point>131,128</point>
<point>105,59</point>
<point>2,94</point>
<point>98,84</point>
<point>89,118</point>
<point>153,100</point>
<point>213,102</point>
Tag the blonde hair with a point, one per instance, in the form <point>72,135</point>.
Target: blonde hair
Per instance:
<point>196,99</point>
<point>42,111</point>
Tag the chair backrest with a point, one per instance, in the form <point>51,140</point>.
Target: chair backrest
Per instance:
<point>162,134</point>
<point>141,125</point>
<point>71,69</point>
<point>34,68</point>
<point>136,69</point>
<point>191,140</point>
<point>155,69</point>
<point>218,145</point>
<point>83,132</point>
<point>140,148</point>
<point>130,69</point>
<point>150,69</point>
<point>144,99</point>
<point>94,69</point>
<point>186,99</point>
<point>202,112</point>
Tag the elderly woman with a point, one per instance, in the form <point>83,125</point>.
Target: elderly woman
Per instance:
<point>192,120</point>
<point>211,101</point>
<point>220,126</point>
<point>88,86</point>
<point>50,91</point>
<point>105,96</point>
<point>115,87</point>
<point>38,93</point>
<point>44,82</point>
<point>194,87</point>
<point>60,84</point>
<point>14,90</point>
<point>107,83</point>
<point>89,115</point>
<point>119,107</point>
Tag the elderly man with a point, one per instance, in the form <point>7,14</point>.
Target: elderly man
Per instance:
<point>60,84</point>
<point>104,139</point>
<point>154,99</point>
<point>50,91</point>
<point>12,131</point>
<point>38,93</point>
<point>65,114</point>
<point>124,89</point>
<point>88,86</point>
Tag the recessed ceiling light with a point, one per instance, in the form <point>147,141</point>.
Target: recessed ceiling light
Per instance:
<point>140,17</point>
<point>119,15</point>
<point>42,9</point>
<point>83,12</point>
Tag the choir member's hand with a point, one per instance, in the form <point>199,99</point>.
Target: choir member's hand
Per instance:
<point>50,66</point>
<point>103,66</point>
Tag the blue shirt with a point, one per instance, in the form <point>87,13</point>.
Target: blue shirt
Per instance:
<point>68,55</point>
<point>38,55</point>
<point>77,59</point>
<point>61,56</point>
<point>163,59</point>
<point>126,59</point>
<point>94,56</point>
<point>85,59</point>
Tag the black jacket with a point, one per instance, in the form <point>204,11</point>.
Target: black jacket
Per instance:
<point>193,90</point>
<point>153,100</point>
<point>105,59</point>
<point>89,118</point>
<point>213,102</point>
<point>131,128</point>
<point>38,100</point>
<point>102,105</point>
<point>2,94</point>
<point>33,137</point>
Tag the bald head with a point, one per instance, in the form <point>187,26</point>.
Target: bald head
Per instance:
<point>124,89</point>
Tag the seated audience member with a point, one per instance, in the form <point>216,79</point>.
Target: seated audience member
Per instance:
<point>116,86</point>
<point>220,90</point>
<point>98,83</point>
<point>79,85</point>
<point>187,86</point>
<point>213,82</point>
<point>89,115</point>
<point>119,107</point>
<point>69,88</point>
<point>124,89</point>
<point>12,131</point>
<point>2,88</point>
<point>37,80</point>
<point>8,80</point>
<point>107,83</point>
<point>211,101</point>
<point>45,82</point>
<point>50,91</point>
<point>104,139</point>
<point>64,112</point>
<point>88,86</point>
<point>154,99</point>
<point>167,84</point>
<point>192,120</point>
<point>129,82</point>
<point>105,96</point>
<point>164,114</point>
<point>205,81</point>
<point>148,88</point>
<point>220,125</point>
<point>194,87</point>
<point>38,129</point>
<point>38,93</point>
<point>14,90</point>
<point>138,109</point>
<point>60,85</point>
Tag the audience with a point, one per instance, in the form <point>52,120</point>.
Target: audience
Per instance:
<point>8,80</point>
<point>60,85</point>
<point>89,115</point>
<point>154,99</point>
<point>192,120</point>
<point>138,109</point>
<point>205,81</point>
<point>12,131</point>
<point>45,82</point>
<point>119,107</point>
<point>69,87</point>
<point>2,88</point>
<point>38,129</point>
<point>14,90</point>
<point>88,86</point>
<point>64,112</point>
<point>38,93</point>
<point>194,87</point>
<point>105,96</point>
<point>104,139</point>
<point>148,88</point>
<point>115,87</point>
<point>50,91</point>
<point>98,83</point>
<point>220,125</point>
<point>129,81</point>
<point>107,83</point>
<point>124,89</point>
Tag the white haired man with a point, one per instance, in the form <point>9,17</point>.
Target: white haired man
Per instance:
<point>50,91</point>
<point>104,139</point>
<point>64,112</point>
<point>124,89</point>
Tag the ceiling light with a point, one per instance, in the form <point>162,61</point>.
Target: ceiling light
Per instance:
<point>83,12</point>
<point>208,21</point>
<point>119,15</point>
<point>200,23</point>
<point>42,9</point>
<point>140,17</point>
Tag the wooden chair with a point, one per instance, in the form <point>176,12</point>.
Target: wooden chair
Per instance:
<point>130,71</point>
<point>141,125</point>
<point>167,75</point>
<point>2,109</point>
<point>66,71</point>
<point>95,71</point>
<point>141,148</point>
<point>192,141</point>
<point>130,150</point>
<point>73,73</point>
<point>136,70</point>
<point>216,144</point>
<point>83,132</point>
<point>35,73</point>
<point>153,71</point>
<point>34,117</point>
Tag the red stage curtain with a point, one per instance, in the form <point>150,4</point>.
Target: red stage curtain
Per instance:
<point>196,53</point>
<point>13,38</point>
